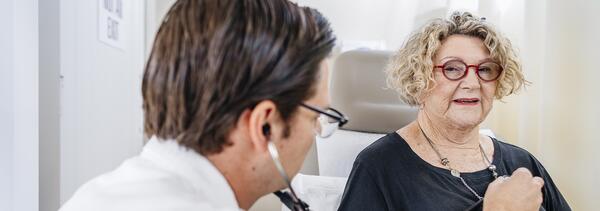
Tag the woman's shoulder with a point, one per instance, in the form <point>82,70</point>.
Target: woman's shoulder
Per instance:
<point>515,156</point>
<point>508,149</point>
<point>386,147</point>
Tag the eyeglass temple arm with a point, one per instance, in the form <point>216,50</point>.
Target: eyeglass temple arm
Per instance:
<point>341,118</point>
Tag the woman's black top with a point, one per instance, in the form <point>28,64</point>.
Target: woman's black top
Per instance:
<point>388,175</point>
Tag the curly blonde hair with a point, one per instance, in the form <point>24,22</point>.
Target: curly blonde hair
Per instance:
<point>410,71</point>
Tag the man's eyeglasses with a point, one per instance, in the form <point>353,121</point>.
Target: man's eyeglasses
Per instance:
<point>455,70</point>
<point>329,120</point>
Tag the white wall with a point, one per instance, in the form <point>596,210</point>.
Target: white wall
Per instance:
<point>388,22</point>
<point>6,106</point>
<point>101,118</point>
<point>19,104</point>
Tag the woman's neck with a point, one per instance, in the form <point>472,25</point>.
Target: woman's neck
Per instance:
<point>444,134</point>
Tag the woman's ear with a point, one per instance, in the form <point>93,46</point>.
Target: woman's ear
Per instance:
<point>422,97</point>
<point>260,126</point>
<point>420,102</point>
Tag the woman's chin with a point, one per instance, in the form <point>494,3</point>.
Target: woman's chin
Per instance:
<point>466,123</point>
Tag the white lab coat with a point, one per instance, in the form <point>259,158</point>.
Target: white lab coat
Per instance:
<point>165,176</point>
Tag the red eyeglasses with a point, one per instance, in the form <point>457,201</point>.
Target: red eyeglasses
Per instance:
<point>455,70</point>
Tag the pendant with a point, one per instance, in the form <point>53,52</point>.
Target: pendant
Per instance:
<point>455,173</point>
<point>492,168</point>
<point>445,161</point>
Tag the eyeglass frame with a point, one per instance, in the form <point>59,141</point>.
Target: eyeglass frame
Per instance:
<point>467,70</point>
<point>341,119</point>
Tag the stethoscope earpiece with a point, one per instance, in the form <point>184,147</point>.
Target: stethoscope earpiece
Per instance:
<point>266,129</point>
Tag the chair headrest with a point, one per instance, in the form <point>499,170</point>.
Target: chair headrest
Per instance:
<point>358,89</point>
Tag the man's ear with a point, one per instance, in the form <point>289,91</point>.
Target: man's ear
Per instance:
<point>261,122</point>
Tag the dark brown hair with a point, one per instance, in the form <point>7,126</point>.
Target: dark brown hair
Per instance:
<point>212,59</point>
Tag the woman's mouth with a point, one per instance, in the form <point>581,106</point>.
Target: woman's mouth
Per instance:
<point>466,101</point>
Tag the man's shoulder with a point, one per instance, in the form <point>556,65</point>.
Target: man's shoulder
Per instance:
<point>138,174</point>
<point>137,184</point>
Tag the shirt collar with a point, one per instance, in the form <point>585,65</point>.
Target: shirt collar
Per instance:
<point>194,167</point>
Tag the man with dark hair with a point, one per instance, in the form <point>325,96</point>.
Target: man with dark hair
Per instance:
<point>234,93</point>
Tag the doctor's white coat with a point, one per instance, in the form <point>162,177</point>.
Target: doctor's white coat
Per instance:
<point>165,176</point>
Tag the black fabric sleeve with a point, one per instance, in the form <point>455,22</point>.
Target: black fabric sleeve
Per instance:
<point>553,199</point>
<point>362,191</point>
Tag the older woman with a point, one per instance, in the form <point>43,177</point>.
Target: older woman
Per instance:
<point>452,70</point>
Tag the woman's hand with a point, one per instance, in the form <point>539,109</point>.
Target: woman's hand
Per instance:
<point>521,191</point>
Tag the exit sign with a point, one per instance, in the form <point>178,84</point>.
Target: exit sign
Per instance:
<point>112,20</point>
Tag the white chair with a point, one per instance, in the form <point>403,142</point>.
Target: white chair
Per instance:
<point>358,91</point>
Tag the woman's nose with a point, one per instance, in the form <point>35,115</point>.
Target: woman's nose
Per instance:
<point>471,80</point>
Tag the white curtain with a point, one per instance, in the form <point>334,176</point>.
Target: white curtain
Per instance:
<point>557,117</point>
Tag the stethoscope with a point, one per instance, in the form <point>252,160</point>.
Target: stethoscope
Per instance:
<point>289,199</point>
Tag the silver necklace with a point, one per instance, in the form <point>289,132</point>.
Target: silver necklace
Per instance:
<point>445,162</point>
